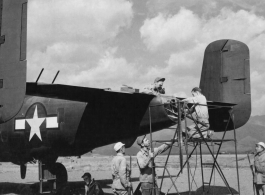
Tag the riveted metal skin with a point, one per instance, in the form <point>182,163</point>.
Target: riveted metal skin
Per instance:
<point>225,77</point>
<point>13,65</point>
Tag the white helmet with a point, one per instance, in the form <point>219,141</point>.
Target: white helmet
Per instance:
<point>118,146</point>
<point>261,144</point>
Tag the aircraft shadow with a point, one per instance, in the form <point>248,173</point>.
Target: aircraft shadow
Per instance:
<point>216,190</point>
<point>77,188</point>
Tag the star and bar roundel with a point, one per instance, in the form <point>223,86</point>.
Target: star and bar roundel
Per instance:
<point>36,121</point>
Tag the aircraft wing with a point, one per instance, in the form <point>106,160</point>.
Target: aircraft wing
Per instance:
<point>219,105</point>
<point>76,93</point>
<point>127,108</point>
<point>108,111</point>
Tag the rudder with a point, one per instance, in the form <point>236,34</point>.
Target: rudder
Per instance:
<point>225,78</point>
<point>13,41</point>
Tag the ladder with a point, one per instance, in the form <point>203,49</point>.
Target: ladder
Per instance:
<point>197,143</point>
<point>46,175</point>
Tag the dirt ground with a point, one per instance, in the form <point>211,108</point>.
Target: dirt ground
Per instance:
<point>99,167</point>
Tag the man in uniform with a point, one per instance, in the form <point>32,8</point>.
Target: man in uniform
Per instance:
<point>200,113</point>
<point>157,87</point>
<point>144,157</point>
<point>120,171</point>
<point>91,186</point>
<point>259,168</point>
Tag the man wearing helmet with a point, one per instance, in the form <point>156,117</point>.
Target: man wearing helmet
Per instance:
<point>144,158</point>
<point>156,88</point>
<point>259,168</point>
<point>120,171</point>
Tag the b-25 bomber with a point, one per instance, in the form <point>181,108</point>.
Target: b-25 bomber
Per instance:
<point>46,121</point>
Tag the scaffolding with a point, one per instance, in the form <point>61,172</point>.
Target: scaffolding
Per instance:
<point>180,111</point>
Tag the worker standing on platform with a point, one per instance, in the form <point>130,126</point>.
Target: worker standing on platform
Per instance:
<point>199,113</point>
<point>120,171</point>
<point>156,88</point>
<point>259,168</point>
<point>144,161</point>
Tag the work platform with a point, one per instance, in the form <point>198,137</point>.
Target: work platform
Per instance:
<point>179,108</point>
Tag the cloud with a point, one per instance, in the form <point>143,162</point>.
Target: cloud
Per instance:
<point>77,21</point>
<point>257,53</point>
<point>257,6</point>
<point>231,24</point>
<point>166,30</point>
<point>258,105</point>
<point>110,69</point>
<point>257,92</point>
<point>204,7</point>
<point>73,34</point>
<point>186,28</point>
<point>182,62</point>
<point>187,52</point>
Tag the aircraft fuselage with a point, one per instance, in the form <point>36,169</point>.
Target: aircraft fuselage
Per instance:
<point>54,127</point>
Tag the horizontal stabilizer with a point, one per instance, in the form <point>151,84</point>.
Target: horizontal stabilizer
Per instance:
<point>13,40</point>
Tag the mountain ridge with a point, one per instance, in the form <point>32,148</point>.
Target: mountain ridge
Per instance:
<point>249,134</point>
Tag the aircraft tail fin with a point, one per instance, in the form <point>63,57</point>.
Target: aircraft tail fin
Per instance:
<point>13,40</point>
<point>225,77</point>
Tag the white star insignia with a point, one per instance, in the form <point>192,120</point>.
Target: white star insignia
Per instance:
<point>35,124</point>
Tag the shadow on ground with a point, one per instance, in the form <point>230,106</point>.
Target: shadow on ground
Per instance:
<point>216,190</point>
<point>32,189</point>
<point>73,188</point>
<point>77,188</point>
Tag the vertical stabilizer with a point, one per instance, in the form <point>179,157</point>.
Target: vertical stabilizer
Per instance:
<point>13,41</point>
<point>225,77</point>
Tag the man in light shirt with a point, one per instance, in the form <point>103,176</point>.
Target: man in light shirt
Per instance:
<point>200,114</point>
<point>120,171</point>
<point>259,168</point>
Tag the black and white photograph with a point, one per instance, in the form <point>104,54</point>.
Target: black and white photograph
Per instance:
<point>132,97</point>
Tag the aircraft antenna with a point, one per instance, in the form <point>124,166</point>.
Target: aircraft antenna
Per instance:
<point>39,75</point>
<point>55,76</point>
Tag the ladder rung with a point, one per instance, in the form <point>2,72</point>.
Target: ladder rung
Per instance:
<point>208,164</point>
<point>206,183</point>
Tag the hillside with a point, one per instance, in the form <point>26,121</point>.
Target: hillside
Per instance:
<point>247,136</point>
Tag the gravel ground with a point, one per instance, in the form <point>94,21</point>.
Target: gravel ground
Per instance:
<point>99,167</point>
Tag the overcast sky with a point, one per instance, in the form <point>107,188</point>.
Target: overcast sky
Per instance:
<point>107,43</point>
